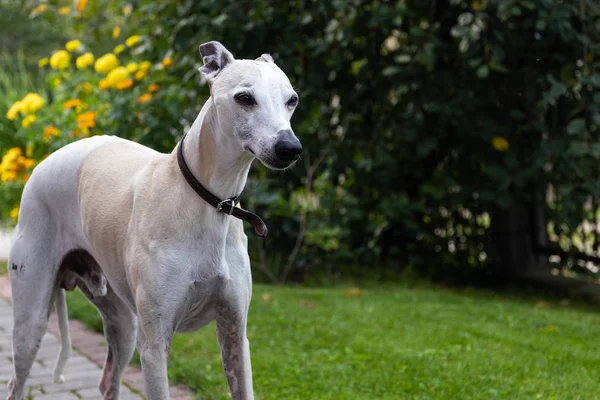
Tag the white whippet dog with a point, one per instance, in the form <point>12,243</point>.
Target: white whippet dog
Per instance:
<point>121,221</point>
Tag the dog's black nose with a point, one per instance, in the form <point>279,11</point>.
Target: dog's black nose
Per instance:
<point>288,147</point>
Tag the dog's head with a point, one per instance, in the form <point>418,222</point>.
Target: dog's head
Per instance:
<point>254,102</point>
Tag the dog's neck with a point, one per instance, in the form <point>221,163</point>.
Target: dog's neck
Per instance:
<point>215,158</point>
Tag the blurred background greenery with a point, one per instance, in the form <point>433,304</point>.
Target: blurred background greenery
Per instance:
<point>457,139</point>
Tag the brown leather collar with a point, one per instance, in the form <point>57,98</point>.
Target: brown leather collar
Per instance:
<point>226,206</point>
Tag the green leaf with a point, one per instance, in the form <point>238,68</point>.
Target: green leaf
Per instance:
<point>576,127</point>
<point>483,72</point>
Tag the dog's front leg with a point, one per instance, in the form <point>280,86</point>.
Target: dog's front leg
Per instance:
<point>154,345</point>
<point>235,350</point>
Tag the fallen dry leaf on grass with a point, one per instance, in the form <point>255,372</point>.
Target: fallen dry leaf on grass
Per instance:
<point>308,304</point>
<point>353,292</point>
<point>542,304</point>
<point>266,297</point>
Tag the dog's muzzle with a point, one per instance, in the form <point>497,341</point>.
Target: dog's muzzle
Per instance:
<point>288,147</point>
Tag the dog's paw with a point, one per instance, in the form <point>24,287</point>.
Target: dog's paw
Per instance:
<point>59,379</point>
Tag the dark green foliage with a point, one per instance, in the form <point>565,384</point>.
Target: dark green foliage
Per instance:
<point>400,103</point>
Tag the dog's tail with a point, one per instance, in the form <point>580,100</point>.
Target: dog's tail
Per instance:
<point>65,336</point>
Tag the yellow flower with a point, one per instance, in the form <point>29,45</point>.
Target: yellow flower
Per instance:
<point>28,121</point>
<point>31,103</point>
<point>14,213</point>
<point>39,9</point>
<point>117,75</point>
<point>14,110</point>
<point>43,62</point>
<point>56,82</point>
<point>132,67</point>
<point>29,150</point>
<point>141,74</point>
<point>106,63</point>
<point>132,40</point>
<point>126,10</point>
<point>84,61</point>
<point>64,10</point>
<point>119,49</point>
<point>167,62</point>
<point>124,84</point>
<point>153,88</point>
<point>8,176</point>
<point>144,98</point>
<point>60,60</point>
<point>104,84</point>
<point>116,32</point>
<point>86,120</point>
<point>71,103</point>
<point>49,132</point>
<point>80,5</point>
<point>26,178</point>
<point>73,45</point>
<point>500,143</point>
<point>145,65</point>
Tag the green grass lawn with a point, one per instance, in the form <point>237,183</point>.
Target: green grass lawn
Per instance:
<point>399,343</point>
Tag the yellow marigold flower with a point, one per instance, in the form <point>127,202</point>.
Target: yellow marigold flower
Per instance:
<point>8,176</point>
<point>40,8</point>
<point>14,213</point>
<point>84,61</point>
<point>43,62</point>
<point>132,40</point>
<point>132,67</point>
<point>106,63</point>
<point>500,143</point>
<point>71,103</point>
<point>124,84</point>
<point>73,45</point>
<point>104,84</point>
<point>144,98</point>
<point>29,150</point>
<point>116,31</point>
<point>167,62</point>
<point>31,103</point>
<point>141,74</point>
<point>28,121</point>
<point>56,82</point>
<point>117,75</point>
<point>60,60</point>
<point>80,5</point>
<point>86,120</point>
<point>25,163</point>
<point>145,65</point>
<point>26,178</point>
<point>153,88</point>
<point>119,49</point>
<point>14,110</point>
<point>49,132</point>
<point>64,10</point>
<point>126,10</point>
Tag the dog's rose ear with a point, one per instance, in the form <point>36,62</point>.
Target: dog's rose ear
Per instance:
<point>266,58</point>
<point>215,57</point>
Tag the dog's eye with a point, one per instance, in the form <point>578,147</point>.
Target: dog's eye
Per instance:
<point>245,99</point>
<point>292,101</point>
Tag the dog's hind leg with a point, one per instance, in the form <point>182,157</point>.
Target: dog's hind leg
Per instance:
<point>120,326</point>
<point>32,269</point>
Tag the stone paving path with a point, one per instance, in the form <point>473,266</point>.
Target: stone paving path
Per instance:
<point>81,375</point>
